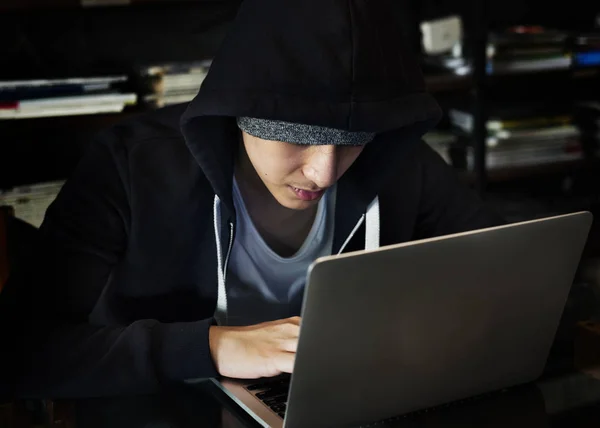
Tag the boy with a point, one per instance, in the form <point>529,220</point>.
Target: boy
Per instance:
<point>179,247</point>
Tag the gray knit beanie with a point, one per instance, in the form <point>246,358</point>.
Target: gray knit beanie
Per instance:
<point>296,133</point>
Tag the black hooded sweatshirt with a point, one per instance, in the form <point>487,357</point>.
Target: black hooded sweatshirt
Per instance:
<point>123,291</point>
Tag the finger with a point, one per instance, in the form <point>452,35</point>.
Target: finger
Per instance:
<point>295,320</point>
<point>289,345</point>
<point>290,330</point>
<point>282,321</point>
<point>284,362</point>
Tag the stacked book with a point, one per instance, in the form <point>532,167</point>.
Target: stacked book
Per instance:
<point>524,138</point>
<point>586,51</point>
<point>516,50</point>
<point>23,99</point>
<point>526,49</point>
<point>171,83</point>
<point>442,141</point>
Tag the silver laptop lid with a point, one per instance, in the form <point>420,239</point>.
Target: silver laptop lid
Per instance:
<point>425,323</point>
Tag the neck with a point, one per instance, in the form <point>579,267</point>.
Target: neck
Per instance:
<point>283,229</point>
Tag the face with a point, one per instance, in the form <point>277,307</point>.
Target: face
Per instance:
<point>298,175</point>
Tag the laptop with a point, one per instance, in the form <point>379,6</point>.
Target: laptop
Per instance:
<point>408,327</point>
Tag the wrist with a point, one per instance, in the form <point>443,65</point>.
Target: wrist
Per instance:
<point>214,340</point>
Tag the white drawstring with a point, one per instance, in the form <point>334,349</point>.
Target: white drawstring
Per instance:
<point>358,225</point>
<point>221,310</point>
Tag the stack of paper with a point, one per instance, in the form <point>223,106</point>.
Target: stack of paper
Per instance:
<point>172,83</point>
<point>63,97</point>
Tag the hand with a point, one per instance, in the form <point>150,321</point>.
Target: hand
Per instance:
<point>262,350</point>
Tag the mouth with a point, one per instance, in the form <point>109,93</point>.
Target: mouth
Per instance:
<point>308,195</point>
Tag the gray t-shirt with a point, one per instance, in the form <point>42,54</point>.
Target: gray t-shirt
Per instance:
<point>261,285</point>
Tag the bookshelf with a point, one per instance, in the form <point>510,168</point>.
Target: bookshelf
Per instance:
<point>519,190</point>
<point>488,89</point>
<point>94,41</point>
<point>84,43</point>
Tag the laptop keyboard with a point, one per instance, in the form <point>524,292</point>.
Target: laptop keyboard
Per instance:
<point>273,393</point>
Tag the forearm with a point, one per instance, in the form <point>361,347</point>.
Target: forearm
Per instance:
<point>62,360</point>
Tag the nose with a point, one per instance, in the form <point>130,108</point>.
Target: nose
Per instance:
<point>321,166</point>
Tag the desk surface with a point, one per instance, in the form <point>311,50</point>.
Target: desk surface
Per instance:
<point>567,395</point>
<point>568,400</point>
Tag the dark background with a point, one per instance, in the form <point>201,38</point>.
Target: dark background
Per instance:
<point>57,38</point>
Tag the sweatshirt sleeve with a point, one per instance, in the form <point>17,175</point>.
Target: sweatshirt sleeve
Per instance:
<point>447,205</point>
<point>82,239</point>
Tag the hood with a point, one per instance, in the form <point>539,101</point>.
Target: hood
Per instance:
<point>335,63</point>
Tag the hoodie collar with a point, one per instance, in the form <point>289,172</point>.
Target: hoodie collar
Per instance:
<point>213,143</point>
